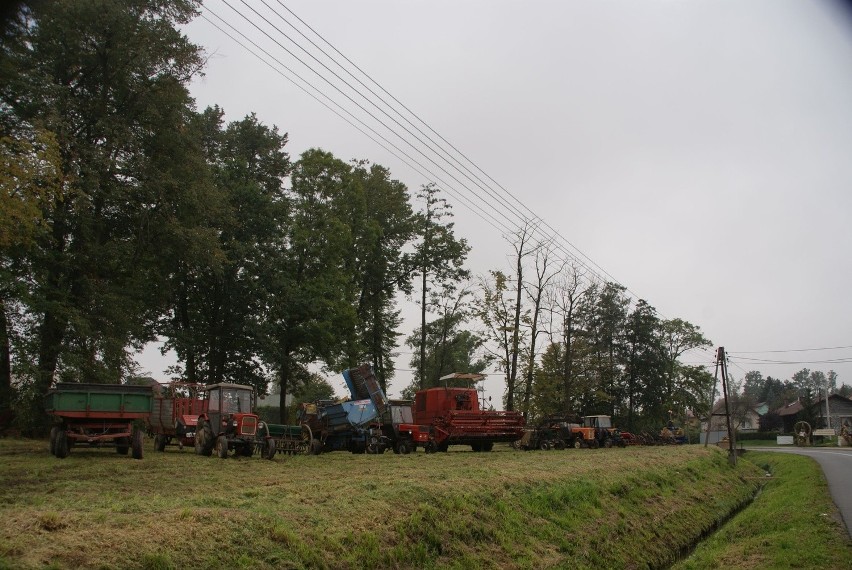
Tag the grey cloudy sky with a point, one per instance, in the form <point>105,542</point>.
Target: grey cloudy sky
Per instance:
<point>699,152</point>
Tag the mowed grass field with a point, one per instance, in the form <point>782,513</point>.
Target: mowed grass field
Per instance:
<point>638,507</point>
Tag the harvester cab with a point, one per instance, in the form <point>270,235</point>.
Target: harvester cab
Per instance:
<point>229,422</point>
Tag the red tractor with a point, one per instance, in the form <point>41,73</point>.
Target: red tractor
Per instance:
<point>228,423</point>
<point>456,418</point>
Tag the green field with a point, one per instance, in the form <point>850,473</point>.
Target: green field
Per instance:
<point>639,507</point>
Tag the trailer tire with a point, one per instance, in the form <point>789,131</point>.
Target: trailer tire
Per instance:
<point>61,447</point>
<point>222,447</point>
<point>559,444</point>
<point>160,443</point>
<point>54,431</point>
<point>136,443</point>
<point>122,446</point>
<point>269,449</point>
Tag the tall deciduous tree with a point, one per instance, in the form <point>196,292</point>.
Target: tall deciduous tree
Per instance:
<point>438,260</point>
<point>108,80</point>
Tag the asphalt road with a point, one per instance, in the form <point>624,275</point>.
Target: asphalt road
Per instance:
<point>836,463</point>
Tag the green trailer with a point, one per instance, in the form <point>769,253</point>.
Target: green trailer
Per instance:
<point>99,415</point>
<point>290,440</point>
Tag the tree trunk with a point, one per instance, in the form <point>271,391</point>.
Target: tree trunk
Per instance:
<point>5,360</point>
<point>284,381</point>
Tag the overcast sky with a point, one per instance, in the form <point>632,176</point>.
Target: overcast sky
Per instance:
<point>698,152</point>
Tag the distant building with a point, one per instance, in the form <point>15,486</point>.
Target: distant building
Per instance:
<point>839,407</point>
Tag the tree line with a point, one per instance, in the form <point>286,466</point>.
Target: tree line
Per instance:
<point>129,216</point>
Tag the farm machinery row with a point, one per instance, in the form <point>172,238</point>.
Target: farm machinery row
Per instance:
<point>561,432</point>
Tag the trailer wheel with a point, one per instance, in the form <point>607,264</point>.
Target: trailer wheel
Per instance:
<point>222,447</point>
<point>559,444</point>
<point>270,447</point>
<point>160,442</point>
<point>61,447</point>
<point>54,431</point>
<point>122,446</point>
<point>136,443</point>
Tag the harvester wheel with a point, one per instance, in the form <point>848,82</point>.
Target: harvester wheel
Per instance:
<point>61,445</point>
<point>136,443</point>
<point>269,449</point>
<point>54,431</point>
<point>222,446</point>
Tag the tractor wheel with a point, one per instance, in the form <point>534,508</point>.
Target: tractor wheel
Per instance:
<point>316,447</point>
<point>608,443</point>
<point>204,439</point>
<point>269,449</point>
<point>54,431</point>
<point>61,447</point>
<point>578,442</point>
<point>595,444</point>
<point>558,444</point>
<point>122,446</point>
<point>544,446</point>
<point>136,443</point>
<point>402,447</point>
<point>222,447</point>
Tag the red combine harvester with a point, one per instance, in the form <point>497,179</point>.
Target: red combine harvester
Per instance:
<point>456,418</point>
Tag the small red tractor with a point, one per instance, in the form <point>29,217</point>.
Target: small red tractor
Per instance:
<point>228,423</point>
<point>456,417</point>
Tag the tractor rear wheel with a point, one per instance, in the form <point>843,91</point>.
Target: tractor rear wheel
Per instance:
<point>269,449</point>
<point>136,443</point>
<point>204,439</point>
<point>222,446</point>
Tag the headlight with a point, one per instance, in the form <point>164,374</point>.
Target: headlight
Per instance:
<point>235,423</point>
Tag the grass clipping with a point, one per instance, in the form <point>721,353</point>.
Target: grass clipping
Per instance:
<point>613,508</point>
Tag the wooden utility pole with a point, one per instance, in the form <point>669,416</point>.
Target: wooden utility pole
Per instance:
<point>722,364</point>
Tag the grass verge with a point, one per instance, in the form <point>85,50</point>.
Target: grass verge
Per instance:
<point>609,508</point>
<point>793,523</point>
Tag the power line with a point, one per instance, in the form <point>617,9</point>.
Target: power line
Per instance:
<point>790,350</point>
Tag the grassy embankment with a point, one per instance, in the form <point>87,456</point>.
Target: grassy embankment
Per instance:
<point>617,508</point>
<point>793,523</point>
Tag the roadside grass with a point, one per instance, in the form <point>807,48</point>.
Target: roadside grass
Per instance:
<point>610,508</point>
<point>792,523</point>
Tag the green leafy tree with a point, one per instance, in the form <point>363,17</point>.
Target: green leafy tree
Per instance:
<point>312,311</point>
<point>108,81</point>
<point>643,366</point>
<point>438,259</point>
